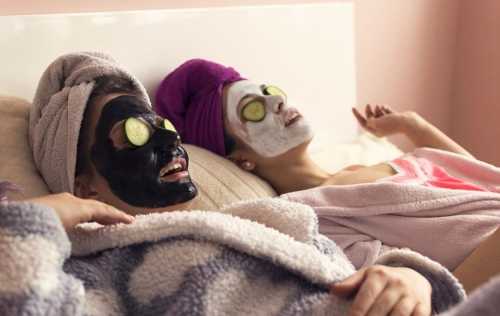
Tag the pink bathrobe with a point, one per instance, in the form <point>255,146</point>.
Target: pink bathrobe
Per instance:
<point>444,223</point>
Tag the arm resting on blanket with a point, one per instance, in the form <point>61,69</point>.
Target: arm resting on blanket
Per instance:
<point>446,290</point>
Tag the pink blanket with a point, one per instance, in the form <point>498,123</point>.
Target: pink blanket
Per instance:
<point>444,224</point>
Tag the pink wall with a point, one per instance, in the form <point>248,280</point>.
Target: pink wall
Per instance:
<point>476,106</point>
<point>405,55</point>
<point>439,57</point>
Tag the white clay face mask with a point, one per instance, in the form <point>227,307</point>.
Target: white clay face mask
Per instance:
<point>269,134</point>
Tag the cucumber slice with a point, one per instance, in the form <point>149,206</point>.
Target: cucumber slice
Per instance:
<point>169,126</point>
<point>137,131</point>
<point>254,111</point>
<point>273,90</point>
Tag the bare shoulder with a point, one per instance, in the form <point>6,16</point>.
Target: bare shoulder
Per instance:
<point>361,174</point>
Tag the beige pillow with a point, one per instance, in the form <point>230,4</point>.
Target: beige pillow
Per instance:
<point>219,181</point>
<point>16,161</point>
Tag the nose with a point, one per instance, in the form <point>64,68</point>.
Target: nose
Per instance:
<point>165,138</point>
<point>158,121</point>
<point>278,104</point>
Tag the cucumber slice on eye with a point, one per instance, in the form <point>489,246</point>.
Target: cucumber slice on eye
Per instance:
<point>273,90</point>
<point>136,131</point>
<point>254,111</point>
<point>169,126</point>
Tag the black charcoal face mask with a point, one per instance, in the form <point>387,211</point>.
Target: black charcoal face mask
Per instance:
<point>137,174</point>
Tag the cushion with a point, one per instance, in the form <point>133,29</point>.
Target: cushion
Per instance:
<point>219,181</point>
<point>16,160</point>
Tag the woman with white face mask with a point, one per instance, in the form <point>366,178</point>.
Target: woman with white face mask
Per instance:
<point>253,125</point>
<point>270,139</point>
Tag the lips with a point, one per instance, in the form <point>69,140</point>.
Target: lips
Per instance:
<point>174,171</point>
<point>292,115</point>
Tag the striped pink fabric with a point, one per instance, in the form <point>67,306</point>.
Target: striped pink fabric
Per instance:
<point>422,171</point>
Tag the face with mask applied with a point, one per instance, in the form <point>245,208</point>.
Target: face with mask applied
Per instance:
<point>259,116</point>
<point>138,153</point>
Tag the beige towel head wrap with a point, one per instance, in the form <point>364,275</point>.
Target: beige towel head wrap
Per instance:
<point>58,109</point>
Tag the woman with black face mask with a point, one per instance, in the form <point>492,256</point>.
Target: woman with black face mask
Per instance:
<point>149,172</point>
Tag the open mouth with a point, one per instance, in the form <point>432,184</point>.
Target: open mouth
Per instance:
<point>174,171</point>
<point>292,116</point>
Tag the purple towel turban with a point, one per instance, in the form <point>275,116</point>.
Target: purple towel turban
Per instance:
<point>191,97</point>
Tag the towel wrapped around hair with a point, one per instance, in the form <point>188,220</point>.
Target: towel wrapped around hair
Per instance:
<point>191,97</point>
<point>58,109</point>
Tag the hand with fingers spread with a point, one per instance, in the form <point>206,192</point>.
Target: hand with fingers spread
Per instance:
<point>381,120</point>
<point>73,210</point>
<point>382,290</point>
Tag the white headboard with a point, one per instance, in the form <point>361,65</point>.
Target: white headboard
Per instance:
<point>307,50</point>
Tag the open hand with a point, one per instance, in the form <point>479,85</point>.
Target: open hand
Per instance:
<point>381,120</point>
<point>73,210</point>
<point>382,290</point>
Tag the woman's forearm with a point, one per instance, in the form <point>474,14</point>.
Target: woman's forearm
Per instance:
<point>424,134</point>
<point>482,264</point>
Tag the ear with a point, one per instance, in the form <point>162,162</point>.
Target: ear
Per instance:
<point>242,162</point>
<point>84,188</point>
<point>247,165</point>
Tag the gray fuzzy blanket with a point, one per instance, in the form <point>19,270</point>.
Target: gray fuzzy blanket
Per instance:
<point>262,257</point>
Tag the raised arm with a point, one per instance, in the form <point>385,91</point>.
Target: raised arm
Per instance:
<point>382,121</point>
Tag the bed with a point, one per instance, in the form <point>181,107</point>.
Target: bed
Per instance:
<point>309,53</point>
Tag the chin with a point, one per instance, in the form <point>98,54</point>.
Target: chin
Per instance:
<point>186,204</point>
<point>157,195</point>
<point>306,139</point>
<point>190,192</point>
<point>299,149</point>
<point>185,191</point>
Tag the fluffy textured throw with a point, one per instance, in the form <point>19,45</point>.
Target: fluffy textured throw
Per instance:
<point>185,263</point>
<point>444,224</point>
<point>58,109</point>
<point>191,97</point>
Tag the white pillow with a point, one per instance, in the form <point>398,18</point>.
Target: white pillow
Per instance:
<point>16,160</point>
<point>366,149</point>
